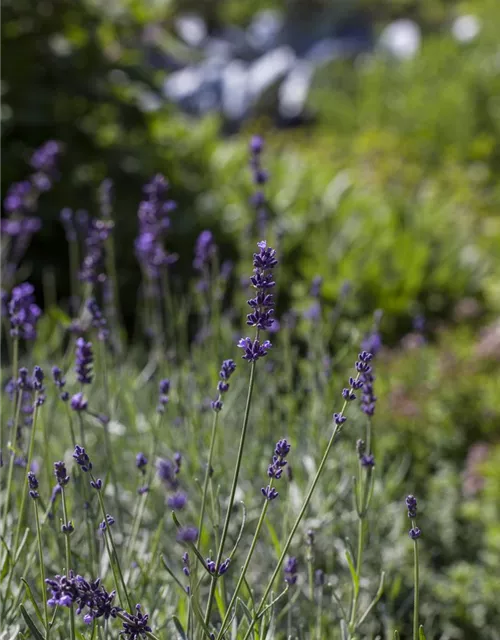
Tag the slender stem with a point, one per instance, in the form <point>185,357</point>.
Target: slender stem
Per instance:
<point>20,516</point>
<point>141,505</point>
<point>113,556</point>
<point>107,441</point>
<point>244,568</point>
<point>42,570</point>
<point>15,358</point>
<point>208,473</point>
<point>319,614</point>
<point>359,558</point>
<point>67,545</point>
<point>416,587</point>
<point>233,491</point>
<point>11,464</point>
<point>296,524</point>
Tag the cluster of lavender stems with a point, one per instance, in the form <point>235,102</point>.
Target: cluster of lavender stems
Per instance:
<point>20,203</point>
<point>348,395</point>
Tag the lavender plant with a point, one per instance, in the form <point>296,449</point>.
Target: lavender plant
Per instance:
<point>148,508</point>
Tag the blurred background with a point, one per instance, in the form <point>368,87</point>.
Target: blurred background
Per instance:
<point>381,122</point>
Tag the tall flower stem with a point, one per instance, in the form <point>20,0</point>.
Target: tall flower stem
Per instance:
<point>17,411</point>
<point>244,568</point>
<point>67,545</point>
<point>233,490</point>
<point>42,570</point>
<point>20,517</point>
<point>113,555</point>
<point>416,587</point>
<point>336,431</point>
<point>136,524</point>
<point>208,473</point>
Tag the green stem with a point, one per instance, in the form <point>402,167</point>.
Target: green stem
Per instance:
<point>42,570</point>
<point>296,524</point>
<point>113,557</point>
<point>11,464</point>
<point>207,473</point>
<point>141,504</point>
<point>416,586</point>
<point>358,573</point>
<point>20,516</point>
<point>67,545</point>
<point>233,491</point>
<point>245,568</point>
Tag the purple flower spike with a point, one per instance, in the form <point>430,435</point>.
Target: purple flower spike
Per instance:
<point>262,280</point>
<point>136,626</point>
<point>178,501</point>
<point>227,369</point>
<point>23,312</point>
<point>84,360</point>
<point>79,402</point>
<point>33,486</point>
<point>61,473</point>
<point>253,349</point>
<point>290,570</point>
<point>414,533</point>
<point>82,458</point>
<point>411,504</point>
<point>187,534</point>
<point>154,223</point>
<point>141,461</point>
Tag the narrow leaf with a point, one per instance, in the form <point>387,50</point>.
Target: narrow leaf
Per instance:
<point>274,538</point>
<point>354,575</point>
<point>396,635</point>
<point>421,634</point>
<point>31,625</point>
<point>33,602</point>
<point>179,627</point>
<point>7,562</point>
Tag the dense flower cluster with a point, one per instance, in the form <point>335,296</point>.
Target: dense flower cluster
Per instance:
<point>33,485</point>
<point>98,320</point>
<point>167,472</point>
<point>226,371</point>
<point>204,251</point>
<point>140,462</point>
<point>136,626</point>
<point>23,312</point>
<point>93,265</point>
<point>411,505</point>
<point>60,382</point>
<point>212,567</point>
<point>82,459</point>
<point>89,597</point>
<point>79,402</point>
<point>262,280</point>
<point>61,473</point>
<point>154,222</point>
<point>164,390</point>
<point>290,570</point>
<point>275,469</point>
<point>187,534</point>
<point>84,360</point>
<point>108,522</point>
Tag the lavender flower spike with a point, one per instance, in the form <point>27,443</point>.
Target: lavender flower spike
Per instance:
<point>84,360</point>
<point>82,458</point>
<point>262,280</point>
<point>227,369</point>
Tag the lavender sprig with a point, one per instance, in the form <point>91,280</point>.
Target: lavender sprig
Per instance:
<point>261,317</point>
<point>363,360</point>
